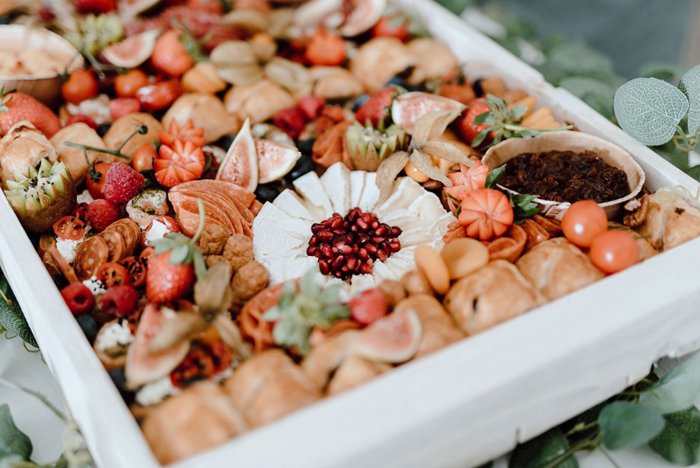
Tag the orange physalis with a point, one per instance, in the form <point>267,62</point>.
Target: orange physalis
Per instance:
<point>467,180</point>
<point>486,213</point>
<point>186,133</point>
<point>180,163</point>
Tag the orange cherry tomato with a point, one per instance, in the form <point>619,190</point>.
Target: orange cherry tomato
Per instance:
<point>486,213</point>
<point>95,186</point>
<point>583,221</point>
<point>614,250</point>
<point>143,158</point>
<point>113,274</point>
<point>81,85</point>
<point>69,227</point>
<point>127,84</point>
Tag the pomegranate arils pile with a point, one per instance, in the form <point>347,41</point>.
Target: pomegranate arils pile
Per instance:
<point>350,245</point>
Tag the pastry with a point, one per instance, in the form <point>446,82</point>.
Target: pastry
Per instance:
<point>353,372</point>
<point>670,221</point>
<point>74,158</point>
<point>557,268</point>
<point>487,297</point>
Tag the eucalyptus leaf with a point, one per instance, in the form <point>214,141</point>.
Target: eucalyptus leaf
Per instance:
<point>694,172</point>
<point>626,424</point>
<point>330,294</point>
<point>661,71</point>
<point>11,316</point>
<point>446,150</point>
<point>679,442</point>
<point>677,391</point>
<point>283,331</point>
<point>273,313</point>
<point>541,451</point>
<point>15,441</point>
<point>576,58</point>
<point>649,110</point>
<point>591,90</point>
<point>690,86</point>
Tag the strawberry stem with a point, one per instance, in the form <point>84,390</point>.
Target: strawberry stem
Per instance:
<point>202,219</point>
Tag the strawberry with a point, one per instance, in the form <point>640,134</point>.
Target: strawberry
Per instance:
<point>101,213</point>
<point>325,48</point>
<point>369,306</point>
<point>393,25</point>
<point>122,183</point>
<point>95,6</point>
<point>119,301</point>
<point>176,264</point>
<point>170,55</point>
<point>15,107</point>
<point>465,123</point>
<point>119,107</point>
<point>290,120</point>
<point>376,109</point>
<point>311,106</point>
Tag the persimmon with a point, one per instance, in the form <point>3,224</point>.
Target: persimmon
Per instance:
<point>467,180</point>
<point>486,214</point>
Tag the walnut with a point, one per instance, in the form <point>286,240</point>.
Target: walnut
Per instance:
<point>247,282</point>
<point>213,260</point>
<point>213,239</point>
<point>638,213</point>
<point>238,251</point>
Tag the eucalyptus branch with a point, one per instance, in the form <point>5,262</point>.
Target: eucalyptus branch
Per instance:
<point>39,396</point>
<point>584,444</point>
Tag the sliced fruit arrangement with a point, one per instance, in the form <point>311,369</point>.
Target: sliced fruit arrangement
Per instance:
<point>291,196</point>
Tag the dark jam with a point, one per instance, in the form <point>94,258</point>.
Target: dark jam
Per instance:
<point>565,176</point>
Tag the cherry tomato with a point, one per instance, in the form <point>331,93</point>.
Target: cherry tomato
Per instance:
<point>69,227</point>
<point>158,96</point>
<point>127,84</point>
<point>82,119</point>
<point>143,158</point>
<point>119,107</point>
<point>113,274</point>
<point>583,221</point>
<point>136,269</point>
<point>614,250</point>
<point>81,85</point>
<point>80,212</point>
<point>146,255</point>
<point>95,186</point>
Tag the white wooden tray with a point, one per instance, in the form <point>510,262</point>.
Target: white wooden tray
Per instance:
<point>461,406</point>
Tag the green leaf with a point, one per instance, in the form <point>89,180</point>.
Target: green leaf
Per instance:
<point>308,284</point>
<point>14,440</point>
<point>494,176</point>
<point>590,89</point>
<point>690,86</point>
<point>481,118</point>
<point>661,71</point>
<point>672,154</point>
<point>330,294</point>
<point>626,424</point>
<point>679,442</point>
<point>677,391</point>
<point>576,58</point>
<point>200,265</point>
<point>541,451</point>
<point>178,254</point>
<point>649,110</point>
<point>517,112</point>
<point>523,206</point>
<point>694,172</point>
<point>527,133</point>
<point>480,137</point>
<point>11,461</point>
<point>11,316</point>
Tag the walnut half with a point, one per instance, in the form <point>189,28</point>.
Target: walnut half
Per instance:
<point>638,209</point>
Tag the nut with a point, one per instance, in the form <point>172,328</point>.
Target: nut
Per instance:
<point>637,217</point>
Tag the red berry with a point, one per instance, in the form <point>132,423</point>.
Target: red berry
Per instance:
<point>311,106</point>
<point>376,109</point>
<point>81,118</point>
<point>122,183</point>
<point>166,282</point>
<point>121,106</point>
<point>79,298</point>
<point>119,300</point>
<point>101,213</point>
<point>290,120</point>
<point>369,306</point>
<point>96,6</point>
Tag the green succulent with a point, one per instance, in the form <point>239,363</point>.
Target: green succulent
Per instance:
<point>298,312</point>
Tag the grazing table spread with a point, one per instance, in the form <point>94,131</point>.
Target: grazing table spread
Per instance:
<point>324,223</point>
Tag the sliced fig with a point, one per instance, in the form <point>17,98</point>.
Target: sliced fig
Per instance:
<point>275,160</point>
<point>364,15</point>
<point>392,339</point>
<point>409,107</point>
<point>240,166</point>
<point>132,51</point>
<point>129,9</point>
<point>143,366</point>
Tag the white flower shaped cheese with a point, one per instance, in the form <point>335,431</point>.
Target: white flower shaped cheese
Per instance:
<point>282,229</point>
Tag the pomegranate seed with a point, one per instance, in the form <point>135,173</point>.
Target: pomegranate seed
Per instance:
<point>336,223</point>
<point>375,224</point>
<point>386,248</point>
<point>395,246</point>
<point>313,240</point>
<point>336,215</point>
<point>371,248</point>
<point>355,248</point>
<point>395,232</point>
<point>311,251</point>
<point>325,235</point>
<point>381,231</point>
<point>345,269</point>
<point>354,228</point>
<point>363,239</point>
<point>323,266</point>
<point>327,222</point>
<point>364,255</point>
<point>338,262</point>
<point>326,250</point>
<point>334,250</point>
<point>381,255</point>
<point>316,227</point>
<point>366,268</point>
<point>377,240</point>
<point>345,249</point>
<point>362,224</point>
<point>351,263</point>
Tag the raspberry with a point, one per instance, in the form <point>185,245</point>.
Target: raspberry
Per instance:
<point>79,298</point>
<point>119,300</point>
<point>101,213</point>
<point>122,183</point>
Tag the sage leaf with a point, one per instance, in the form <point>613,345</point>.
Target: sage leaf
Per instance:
<point>676,391</point>
<point>445,150</point>
<point>690,86</point>
<point>543,450</point>
<point>15,441</point>
<point>679,442</point>
<point>433,124</point>
<point>11,316</point>
<point>649,110</point>
<point>425,165</point>
<point>626,424</point>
